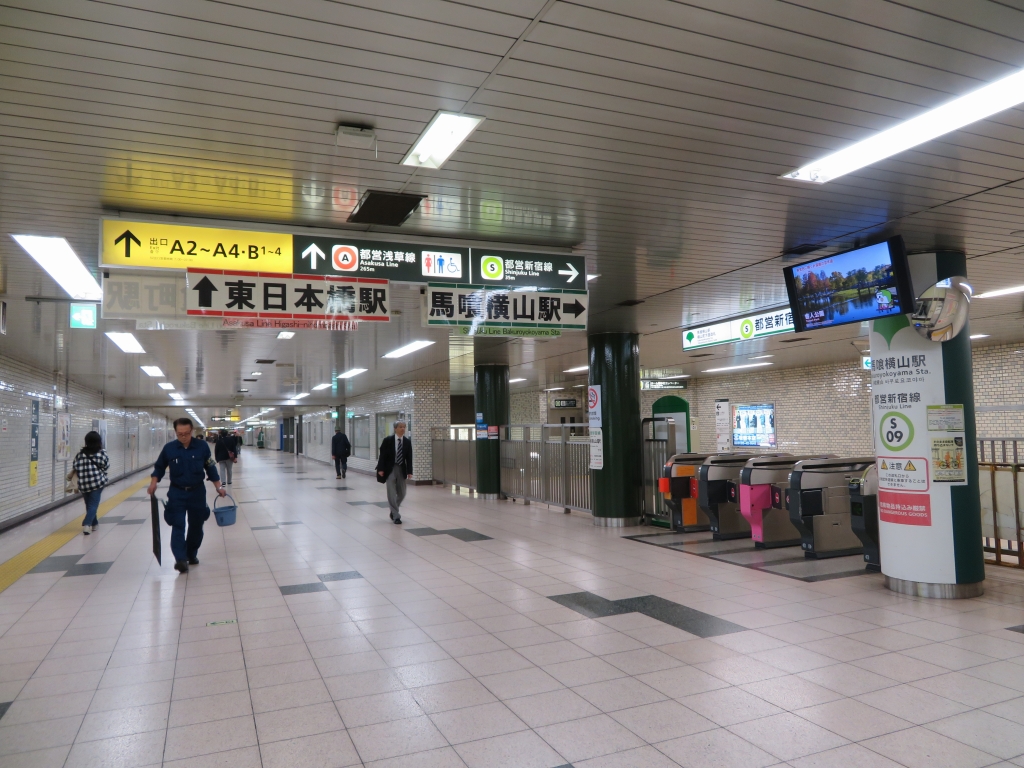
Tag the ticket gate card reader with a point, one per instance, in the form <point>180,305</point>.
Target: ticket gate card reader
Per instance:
<point>864,516</point>
<point>718,494</point>
<point>761,488</point>
<point>678,485</point>
<point>819,505</point>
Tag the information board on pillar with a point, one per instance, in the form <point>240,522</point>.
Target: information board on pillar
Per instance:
<point>478,306</point>
<point>220,293</point>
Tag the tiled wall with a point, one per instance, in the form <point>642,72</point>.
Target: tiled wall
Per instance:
<point>999,381</point>
<point>526,407</point>
<point>134,437</point>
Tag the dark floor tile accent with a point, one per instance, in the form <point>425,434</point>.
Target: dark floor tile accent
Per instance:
<point>56,563</point>
<point>263,528</point>
<point>333,488</point>
<point>422,531</point>
<point>1017,629</point>
<point>360,503</point>
<point>464,534</point>
<point>137,521</point>
<point>679,616</point>
<point>341,576</point>
<point>88,569</point>
<point>590,605</point>
<point>290,522</point>
<point>301,589</point>
<point>4,706</point>
<point>830,576</point>
<point>111,519</point>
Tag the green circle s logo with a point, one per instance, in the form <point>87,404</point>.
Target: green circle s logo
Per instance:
<point>492,267</point>
<point>746,328</point>
<point>896,431</point>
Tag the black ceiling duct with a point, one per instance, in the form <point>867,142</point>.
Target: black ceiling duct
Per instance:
<point>388,209</point>
<point>630,302</point>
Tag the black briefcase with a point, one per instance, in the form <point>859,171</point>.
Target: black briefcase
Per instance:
<point>154,508</point>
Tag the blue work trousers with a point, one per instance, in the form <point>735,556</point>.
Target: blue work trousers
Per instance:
<point>92,505</point>
<point>185,506</point>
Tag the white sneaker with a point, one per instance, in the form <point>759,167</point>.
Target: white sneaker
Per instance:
<point>85,529</point>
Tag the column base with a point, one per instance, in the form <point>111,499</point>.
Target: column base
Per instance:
<point>940,591</point>
<point>616,522</point>
<point>488,496</point>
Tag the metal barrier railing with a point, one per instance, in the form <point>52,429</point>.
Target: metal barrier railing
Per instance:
<point>547,463</point>
<point>1001,494</point>
<point>1002,450</point>
<point>453,454</point>
<point>659,444</point>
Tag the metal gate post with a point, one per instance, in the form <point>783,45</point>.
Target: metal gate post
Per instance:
<point>565,471</point>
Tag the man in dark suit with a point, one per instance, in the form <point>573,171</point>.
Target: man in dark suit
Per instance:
<point>394,467</point>
<point>341,448</point>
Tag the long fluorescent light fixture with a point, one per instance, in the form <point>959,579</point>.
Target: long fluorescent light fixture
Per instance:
<point>285,334</point>
<point>1000,292</point>
<point>176,395</point>
<point>127,342</point>
<point>515,381</point>
<point>442,136</point>
<point>408,349</point>
<point>300,395</point>
<point>165,385</point>
<point>351,372</point>
<point>256,373</point>
<point>318,387</point>
<point>977,105</point>
<point>152,370</point>
<point>62,264</point>
<point>555,389</point>
<point>736,367</point>
<point>979,336</point>
<point>577,369</point>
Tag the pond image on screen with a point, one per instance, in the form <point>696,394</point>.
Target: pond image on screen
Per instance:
<point>753,425</point>
<point>846,288</point>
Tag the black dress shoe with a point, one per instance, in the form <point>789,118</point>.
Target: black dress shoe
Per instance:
<point>193,560</point>
<point>181,566</point>
<point>398,520</point>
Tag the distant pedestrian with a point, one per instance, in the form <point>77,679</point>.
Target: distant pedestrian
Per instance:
<point>187,460</point>
<point>394,467</point>
<point>225,451</point>
<point>341,449</point>
<point>91,465</point>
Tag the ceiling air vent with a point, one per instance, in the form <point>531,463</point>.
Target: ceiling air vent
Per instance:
<point>265,362</point>
<point>793,341</point>
<point>703,354</point>
<point>630,302</point>
<point>389,209</point>
<point>800,250</point>
<point>250,379</point>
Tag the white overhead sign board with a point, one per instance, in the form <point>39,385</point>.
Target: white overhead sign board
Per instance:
<point>477,306</point>
<point>742,329</point>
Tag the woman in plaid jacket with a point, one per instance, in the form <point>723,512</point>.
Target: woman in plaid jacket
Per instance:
<point>91,465</point>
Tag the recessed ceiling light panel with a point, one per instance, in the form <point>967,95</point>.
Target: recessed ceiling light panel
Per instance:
<point>442,136</point>
<point>54,254</point>
<point>126,342</point>
<point>408,349</point>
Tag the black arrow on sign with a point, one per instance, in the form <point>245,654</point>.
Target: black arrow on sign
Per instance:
<point>206,289</point>
<point>128,238</point>
<point>576,308</point>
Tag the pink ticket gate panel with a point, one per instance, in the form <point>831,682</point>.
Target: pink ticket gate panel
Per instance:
<point>759,479</point>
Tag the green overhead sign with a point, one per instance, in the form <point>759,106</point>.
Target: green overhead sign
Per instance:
<point>83,315</point>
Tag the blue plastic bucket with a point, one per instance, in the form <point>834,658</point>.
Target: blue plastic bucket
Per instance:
<point>225,515</point>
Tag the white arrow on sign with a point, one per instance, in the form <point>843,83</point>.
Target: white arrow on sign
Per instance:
<point>313,252</point>
<point>571,271</point>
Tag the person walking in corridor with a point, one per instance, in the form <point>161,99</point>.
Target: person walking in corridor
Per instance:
<point>394,467</point>
<point>225,452</point>
<point>187,460</point>
<point>91,465</point>
<point>341,448</point>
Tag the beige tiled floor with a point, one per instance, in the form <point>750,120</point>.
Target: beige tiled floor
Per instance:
<point>449,654</point>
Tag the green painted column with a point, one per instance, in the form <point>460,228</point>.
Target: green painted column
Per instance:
<point>615,490</point>
<point>491,402</point>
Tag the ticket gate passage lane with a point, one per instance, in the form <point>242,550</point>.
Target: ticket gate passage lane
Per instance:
<point>819,505</point>
<point>759,480</point>
<point>678,486</point>
<point>718,493</point>
<point>864,516</point>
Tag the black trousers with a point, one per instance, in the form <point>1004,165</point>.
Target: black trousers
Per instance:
<point>340,465</point>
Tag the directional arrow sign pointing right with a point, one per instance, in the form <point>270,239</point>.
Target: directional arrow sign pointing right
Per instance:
<point>576,308</point>
<point>572,272</point>
<point>206,289</point>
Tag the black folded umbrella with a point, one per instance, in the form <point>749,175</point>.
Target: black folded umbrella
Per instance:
<point>154,507</point>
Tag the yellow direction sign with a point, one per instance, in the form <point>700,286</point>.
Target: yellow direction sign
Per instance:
<point>175,246</point>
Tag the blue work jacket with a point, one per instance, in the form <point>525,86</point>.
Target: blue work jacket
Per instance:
<point>187,465</point>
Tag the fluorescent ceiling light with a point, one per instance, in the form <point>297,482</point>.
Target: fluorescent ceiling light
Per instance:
<point>1000,292</point>
<point>165,385</point>
<point>555,389</point>
<point>300,395</point>
<point>62,264</point>
<point>152,370</point>
<point>318,387</point>
<point>977,105</point>
<point>351,372</point>
<point>285,334</point>
<point>592,277</point>
<point>979,335</point>
<point>442,136</point>
<point>127,342</point>
<point>577,369</point>
<point>736,367</point>
<point>243,390</point>
<point>515,381</point>
<point>408,349</point>
<point>679,376</point>
<point>761,357</point>
<point>256,373</point>
<point>176,395</point>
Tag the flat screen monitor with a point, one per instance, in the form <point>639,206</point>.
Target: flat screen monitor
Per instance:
<point>850,287</point>
<point>753,426</point>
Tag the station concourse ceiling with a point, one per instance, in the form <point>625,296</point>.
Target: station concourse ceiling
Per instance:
<point>647,137</point>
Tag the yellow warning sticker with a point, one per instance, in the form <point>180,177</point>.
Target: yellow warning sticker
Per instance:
<point>910,467</point>
<point>884,465</point>
<point>177,246</point>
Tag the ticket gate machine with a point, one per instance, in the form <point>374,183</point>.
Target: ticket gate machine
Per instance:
<point>864,515</point>
<point>762,484</point>
<point>719,496</point>
<point>819,505</point>
<point>678,484</point>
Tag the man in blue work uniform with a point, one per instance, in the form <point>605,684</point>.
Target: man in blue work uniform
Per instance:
<point>188,461</point>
